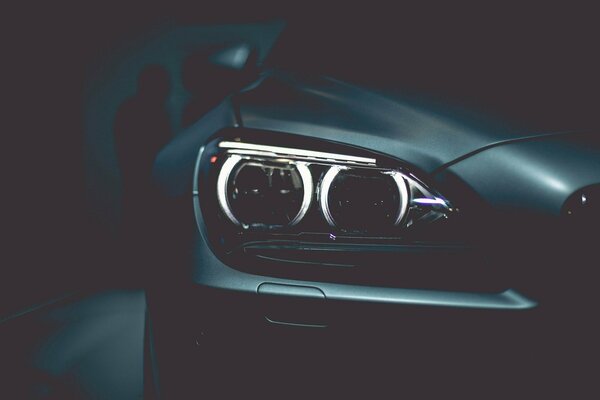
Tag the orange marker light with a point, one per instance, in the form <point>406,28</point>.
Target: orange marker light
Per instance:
<point>213,159</point>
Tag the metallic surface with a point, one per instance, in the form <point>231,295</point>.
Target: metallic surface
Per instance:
<point>422,134</point>
<point>508,167</point>
<point>533,176</point>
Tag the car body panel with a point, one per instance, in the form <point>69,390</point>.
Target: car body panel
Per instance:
<point>477,150</point>
<point>533,175</point>
<point>422,133</point>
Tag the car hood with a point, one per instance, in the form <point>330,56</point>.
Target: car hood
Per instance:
<point>424,134</point>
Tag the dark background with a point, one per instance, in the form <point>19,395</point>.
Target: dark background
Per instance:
<point>535,64</point>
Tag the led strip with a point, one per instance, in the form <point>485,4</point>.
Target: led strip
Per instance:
<point>274,151</point>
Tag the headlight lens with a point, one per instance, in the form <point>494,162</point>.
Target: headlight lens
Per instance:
<point>363,200</point>
<point>264,193</point>
<point>251,188</point>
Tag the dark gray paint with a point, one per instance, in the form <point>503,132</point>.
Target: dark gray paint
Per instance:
<point>502,162</point>
<point>533,176</point>
<point>423,134</point>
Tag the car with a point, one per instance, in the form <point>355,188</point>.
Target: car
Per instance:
<point>304,206</point>
<point>304,202</point>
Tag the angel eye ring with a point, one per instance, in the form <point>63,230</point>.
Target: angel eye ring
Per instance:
<point>253,192</point>
<point>363,199</point>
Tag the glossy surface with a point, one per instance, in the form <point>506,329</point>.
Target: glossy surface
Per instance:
<point>503,166</point>
<point>533,176</point>
<point>422,134</point>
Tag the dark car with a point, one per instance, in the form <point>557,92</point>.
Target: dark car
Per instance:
<point>305,202</point>
<point>396,227</point>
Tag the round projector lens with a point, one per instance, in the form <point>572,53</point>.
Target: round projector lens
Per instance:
<point>365,201</point>
<point>270,194</point>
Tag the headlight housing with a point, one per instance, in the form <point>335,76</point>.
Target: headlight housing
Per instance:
<point>262,187</point>
<point>286,206</point>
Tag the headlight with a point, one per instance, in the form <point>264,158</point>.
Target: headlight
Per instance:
<point>292,207</point>
<point>252,189</point>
